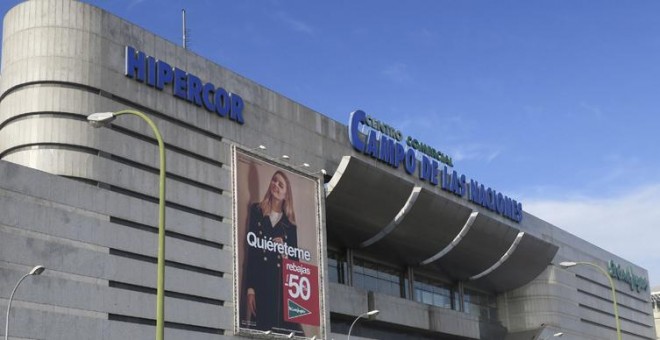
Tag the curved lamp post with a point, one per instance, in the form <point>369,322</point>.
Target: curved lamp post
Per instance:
<point>35,271</point>
<point>369,313</point>
<point>616,306</point>
<point>102,119</point>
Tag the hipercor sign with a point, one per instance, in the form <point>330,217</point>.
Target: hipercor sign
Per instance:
<point>160,75</point>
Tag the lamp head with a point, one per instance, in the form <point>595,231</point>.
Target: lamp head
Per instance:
<point>567,264</point>
<point>557,335</point>
<point>324,172</point>
<point>101,119</point>
<point>373,312</point>
<point>37,270</point>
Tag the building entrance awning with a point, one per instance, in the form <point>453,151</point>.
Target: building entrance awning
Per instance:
<point>395,219</point>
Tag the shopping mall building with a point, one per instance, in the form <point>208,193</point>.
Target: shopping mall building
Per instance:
<point>655,300</point>
<point>281,222</point>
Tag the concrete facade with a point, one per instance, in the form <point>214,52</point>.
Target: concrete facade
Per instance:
<point>88,211</point>
<point>655,298</point>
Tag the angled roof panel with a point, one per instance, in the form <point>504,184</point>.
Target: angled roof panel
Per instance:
<point>396,220</point>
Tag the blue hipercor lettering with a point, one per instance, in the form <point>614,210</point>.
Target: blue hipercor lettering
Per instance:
<point>186,86</point>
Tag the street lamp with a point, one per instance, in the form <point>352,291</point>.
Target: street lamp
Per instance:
<point>616,307</point>
<point>35,271</point>
<point>369,313</point>
<point>103,119</point>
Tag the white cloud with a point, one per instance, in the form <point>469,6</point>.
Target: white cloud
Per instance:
<point>592,110</point>
<point>134,3</point>
<point>627,225</point>
<point>424,36</point>
<point>398,73</point>
<point>295,24</point>
<point>478,152</point>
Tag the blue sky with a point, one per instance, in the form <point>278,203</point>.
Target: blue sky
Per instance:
<point>551,102</point>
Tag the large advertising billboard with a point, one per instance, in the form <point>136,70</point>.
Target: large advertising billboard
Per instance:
<point>279,287</point>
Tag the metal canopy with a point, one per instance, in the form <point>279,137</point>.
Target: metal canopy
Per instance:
<point>482,246</point>
<point>430,225</point>
<point>389,217</point>
<point>528,261</point>
<point>363,200</point>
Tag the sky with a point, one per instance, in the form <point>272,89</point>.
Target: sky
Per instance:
<point>554,103</point>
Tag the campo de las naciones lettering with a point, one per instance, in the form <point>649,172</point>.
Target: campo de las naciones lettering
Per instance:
<point>386,145</point>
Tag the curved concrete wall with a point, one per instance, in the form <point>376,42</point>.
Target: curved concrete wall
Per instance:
<point>63,60</point>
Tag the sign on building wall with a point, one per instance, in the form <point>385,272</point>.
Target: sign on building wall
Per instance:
<point>279,287</point>
<point>626,275</point>
<point>386,144</point>
<point>162,76</point>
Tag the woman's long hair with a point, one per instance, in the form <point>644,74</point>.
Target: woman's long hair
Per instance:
<point>287,204</point>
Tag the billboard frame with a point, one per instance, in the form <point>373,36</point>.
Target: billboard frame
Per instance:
<point>320,251</point>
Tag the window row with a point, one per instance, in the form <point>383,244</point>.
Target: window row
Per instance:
<point>384,279</point>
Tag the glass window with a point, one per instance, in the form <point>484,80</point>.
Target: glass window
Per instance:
<point>336,267</point>
<point>378,278</point>
<point>432,292</point>
<point>480,304</point>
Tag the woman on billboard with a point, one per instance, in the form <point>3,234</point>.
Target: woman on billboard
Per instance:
<point>271,223</point>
